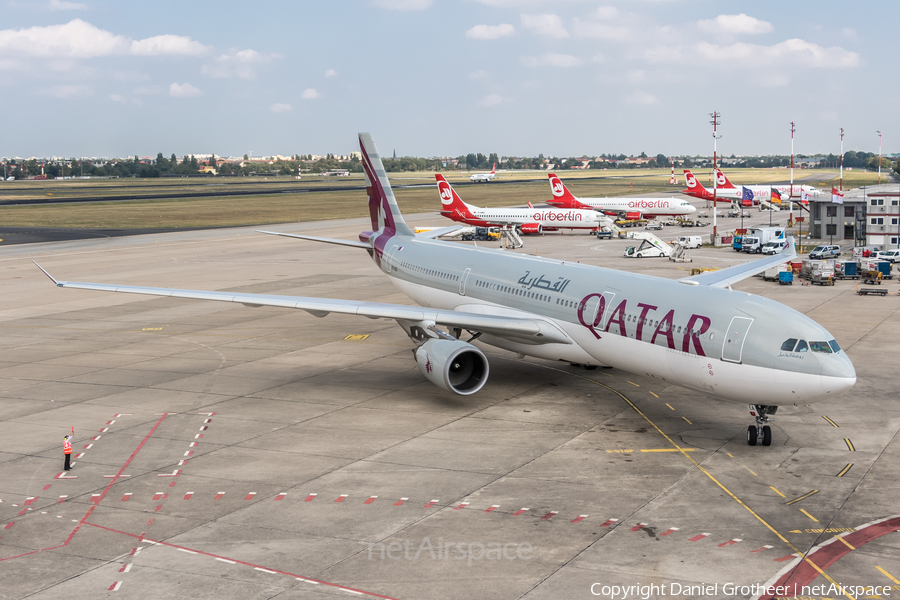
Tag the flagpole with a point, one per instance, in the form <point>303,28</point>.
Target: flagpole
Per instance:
<point>791,195</point>
<point>842,159</point>
<point>879,157</point>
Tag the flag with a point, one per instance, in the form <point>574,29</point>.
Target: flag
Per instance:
<point>775,196</point>
<point>804,196</point>
<point>836,196</point>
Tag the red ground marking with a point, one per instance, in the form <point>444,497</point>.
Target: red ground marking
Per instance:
<point>698,537</point>
<point>134,551</point>
<point>608,523</point>
<point>86,446</point>
<point>219,496</point>
<point>461,506</point>
<point>250,496</point>
<point>172,484</point>
<point>157,495</point>
<point>188,496</point>
<point>281,496</point>
<point>47,487</point>
<point>669,531</point>
<point>117,415</point>
<point>124,568</point>
<point>400,501</point>
<point>79,455</point>
<point>310,498</point>
<point>61,499</point>
<point>110,422</point>
<point>104,430</point>
<point>578,519</point>
<point>521,511</point>
<point>341,497</point>
<point>638,527</point>
<point>255,566</point>
<point>150,522</point>
<point>550,514</point>
<point>10,524</point>
<point>95,438</point>
<point>198,436</point>
<point>730,542</point>
<point>189,452</point>
<point>370,500</point>
<point>204,428</point>
<point>158,508</point>
<point>29,501</point>
<point>24,510</point>
<point>828,553</point>
<point>766,547</point>
<point>492,508</point>
<point>784,558</point>
<point>208,421</point>
<point>115,586</point>
<point>430,504</point>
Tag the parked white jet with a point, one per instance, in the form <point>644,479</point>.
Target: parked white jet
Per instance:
<point>762,192</point>
<point>527,220</point>
<point>695,332</point>
<point>631,208</point>
<point>485,177</point>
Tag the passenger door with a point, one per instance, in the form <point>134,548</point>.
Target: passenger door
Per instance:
<point>733,346</point>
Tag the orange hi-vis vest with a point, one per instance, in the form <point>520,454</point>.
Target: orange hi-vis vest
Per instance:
<point>67,447</point>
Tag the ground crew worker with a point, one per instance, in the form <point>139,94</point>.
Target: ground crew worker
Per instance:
<point>67,450</point>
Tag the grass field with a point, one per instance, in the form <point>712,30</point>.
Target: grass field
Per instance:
<point>301,206</point>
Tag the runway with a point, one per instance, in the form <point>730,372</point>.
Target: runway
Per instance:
<point>229,451</point>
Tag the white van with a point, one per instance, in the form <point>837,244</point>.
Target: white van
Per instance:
<point>690,241</point>
<point>891,255</point>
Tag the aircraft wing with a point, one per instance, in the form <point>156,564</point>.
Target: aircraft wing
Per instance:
<point>527,330</point>
<point>731,275</point>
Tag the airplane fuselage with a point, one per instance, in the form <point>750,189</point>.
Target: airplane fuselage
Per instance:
<point>723,342</point>
<point>548,218</point>
<point>650,207</point>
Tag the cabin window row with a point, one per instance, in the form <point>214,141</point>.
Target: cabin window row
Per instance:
<point>504,289</point>
<point>430,272</point>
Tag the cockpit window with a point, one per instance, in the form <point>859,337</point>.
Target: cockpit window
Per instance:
<point>788,346</point>
<point>801,346</point>
<point>820,347</point>
<point>834,345</point>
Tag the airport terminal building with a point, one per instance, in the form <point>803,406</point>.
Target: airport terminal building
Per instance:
<point>869,217</point>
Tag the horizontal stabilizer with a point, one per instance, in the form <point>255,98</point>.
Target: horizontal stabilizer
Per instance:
<point>436,233</point>
<point>313,238</point>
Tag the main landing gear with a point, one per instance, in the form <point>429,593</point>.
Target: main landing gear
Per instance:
<point>760,432</point>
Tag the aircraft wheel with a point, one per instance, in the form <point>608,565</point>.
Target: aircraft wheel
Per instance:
<point>590,367</point>
<point>767,436</point>
<point>751,435</point>
<point>574,364</point>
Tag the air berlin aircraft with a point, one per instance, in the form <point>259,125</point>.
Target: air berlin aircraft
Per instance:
<point>695,332</point>
<point>696,189</point>
<point>528,220</point>
<point>764,191</point>
<point>631,208</point>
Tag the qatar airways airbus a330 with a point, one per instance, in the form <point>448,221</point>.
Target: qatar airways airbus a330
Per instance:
<point>695,332</point>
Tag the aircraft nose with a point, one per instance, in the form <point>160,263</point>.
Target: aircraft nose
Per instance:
<point>838,375</point>
<point>692,208</point>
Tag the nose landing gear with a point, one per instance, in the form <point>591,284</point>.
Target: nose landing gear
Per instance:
<point>760,433</point>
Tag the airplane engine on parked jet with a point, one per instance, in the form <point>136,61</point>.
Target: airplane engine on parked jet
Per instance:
<point>530,228</point>
<point>453,365</point>
<point>632,216</point>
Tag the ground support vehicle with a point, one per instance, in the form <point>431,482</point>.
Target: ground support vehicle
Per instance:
<point>871,291</point>
<point>786,278</point>
<point>847,269</point>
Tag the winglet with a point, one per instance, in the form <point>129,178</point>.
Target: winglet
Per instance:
<point>58,284</point>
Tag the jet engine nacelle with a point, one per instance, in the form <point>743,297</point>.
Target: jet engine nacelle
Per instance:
<point>530,228</point>
<point>453,365</point>
<point>632,216</point>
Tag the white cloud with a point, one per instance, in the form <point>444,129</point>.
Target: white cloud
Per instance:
<point>794,51</point>
<point>849,33</point>
<point>636,76</point>
<point>590,28</point>
<point>598,58</point>
<point>238,63</point>
<point>735,24</point>
<point>480,74</point>
<point>551,60</point>
<point>58,5</point>
<point>330,73</point>
<point>402,4</point>
<point>606,12</point>
<point>490,32</point>
<point>310,94</point>
<point>183,90</point>
<point>280,108</point>
<point>545,25</point>
<point>491,100</point>
<point>80,39</point>
<point>642,98</point>
<point>68,92</point>
<point>175,45</point>
<point>125,100</point>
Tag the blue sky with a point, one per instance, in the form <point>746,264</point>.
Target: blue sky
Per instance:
<point>435,77</point>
